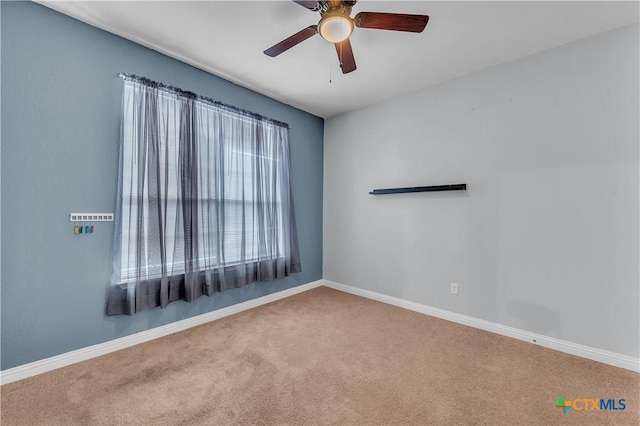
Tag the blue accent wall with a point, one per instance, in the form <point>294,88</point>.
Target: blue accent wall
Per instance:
<point>61,98</point>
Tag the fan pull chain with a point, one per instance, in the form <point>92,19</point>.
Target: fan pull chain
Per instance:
<point>339,63</point>
<point>330,74</point>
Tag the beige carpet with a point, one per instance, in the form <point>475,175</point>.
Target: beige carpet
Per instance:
<point>324,357</point>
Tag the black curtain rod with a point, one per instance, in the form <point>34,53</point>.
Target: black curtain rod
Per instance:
<point>190,95</point>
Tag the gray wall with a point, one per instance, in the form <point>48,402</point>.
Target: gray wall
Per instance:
<point>61,99</point>
<point>546,237</point>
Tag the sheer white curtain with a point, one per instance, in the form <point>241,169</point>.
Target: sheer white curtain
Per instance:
<point>204,201</point>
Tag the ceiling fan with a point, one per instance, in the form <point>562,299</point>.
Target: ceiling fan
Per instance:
<point>336,25</point>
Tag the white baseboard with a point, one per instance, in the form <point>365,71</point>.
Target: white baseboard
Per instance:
<point>42,366</point>
<point>600,355</point>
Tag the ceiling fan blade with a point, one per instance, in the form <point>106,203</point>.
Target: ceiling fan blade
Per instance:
<point>391,21</point>
<point>345,56</point>
<point>311,5</point>
<point>288,43</point>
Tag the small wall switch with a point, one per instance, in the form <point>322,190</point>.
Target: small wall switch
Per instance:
<point>454,288</point>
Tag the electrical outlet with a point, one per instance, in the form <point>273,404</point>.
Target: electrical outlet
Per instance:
<point>454,288</point>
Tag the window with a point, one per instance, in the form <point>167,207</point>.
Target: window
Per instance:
<point>204,199</point>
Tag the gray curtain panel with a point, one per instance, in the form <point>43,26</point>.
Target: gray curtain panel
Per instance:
<point>204,199</point>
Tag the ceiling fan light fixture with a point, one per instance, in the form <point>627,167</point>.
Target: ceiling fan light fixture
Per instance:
<point>335,27</point>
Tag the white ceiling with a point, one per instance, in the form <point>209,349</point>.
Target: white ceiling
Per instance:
<point>227,38</point>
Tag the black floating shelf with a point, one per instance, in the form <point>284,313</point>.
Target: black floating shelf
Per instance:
<point>432,188</point>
